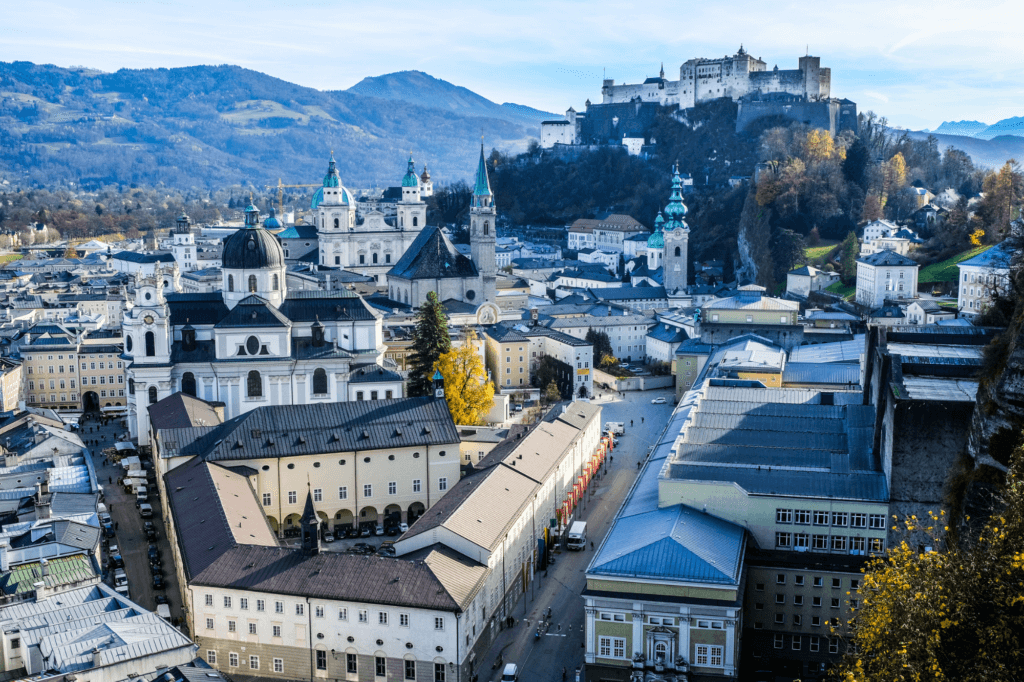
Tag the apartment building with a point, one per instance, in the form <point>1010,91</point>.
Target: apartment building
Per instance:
<point>11,374</point>
<point>983,277</point>
<point>507,357</point>
<point>73,372</point>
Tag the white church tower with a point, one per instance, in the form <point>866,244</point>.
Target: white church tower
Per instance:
<point>482,216</point>
<point>677,240</point>
<point>412,211</point>
<point>146,329</point>
<point>184,246</point>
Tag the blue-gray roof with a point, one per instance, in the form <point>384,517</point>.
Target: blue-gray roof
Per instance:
<point>629,293</point>
<point>669,335</point>
<point>998,257</point>
<point>135,257</point>
<point>820,373</point>
<point>887,258</point>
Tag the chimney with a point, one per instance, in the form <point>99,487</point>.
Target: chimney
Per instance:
<point>45,567</point>
<point>97,658</point>
<point>4,561</point>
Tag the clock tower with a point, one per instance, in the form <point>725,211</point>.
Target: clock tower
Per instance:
<point>147,338</point>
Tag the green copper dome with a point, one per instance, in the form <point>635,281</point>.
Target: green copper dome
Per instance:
<point>657,238</point>
<point>676,209</point>
<point>272,223</point>
<point>482,189</point>
<point>410,179</point>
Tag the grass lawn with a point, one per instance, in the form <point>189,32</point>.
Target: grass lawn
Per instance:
<point>817,254</point>
<point>845,290</point>
<point>9,257</point>
<point>946,271</point>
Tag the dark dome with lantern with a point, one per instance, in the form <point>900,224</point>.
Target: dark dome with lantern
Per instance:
<point>252,247</point>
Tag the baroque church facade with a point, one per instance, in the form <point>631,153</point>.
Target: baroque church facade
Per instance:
<point>255,343</point>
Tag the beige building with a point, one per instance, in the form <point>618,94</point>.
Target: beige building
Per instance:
<point>11,373</point>
<point>365,463</point>
<point>508,357</point>
<point>73,372</point>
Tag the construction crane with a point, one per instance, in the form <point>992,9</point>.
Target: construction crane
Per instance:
<point>280,192</point>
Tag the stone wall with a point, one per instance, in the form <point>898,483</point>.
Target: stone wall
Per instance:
<point>828,115</point>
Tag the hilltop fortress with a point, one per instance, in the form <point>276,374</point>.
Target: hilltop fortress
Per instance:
<point>626,111</point>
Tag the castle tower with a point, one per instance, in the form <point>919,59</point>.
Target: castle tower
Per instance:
<point>335,207</point>
<point>482,216</point>
<point>412,211</point>
<point>677,240</point>
<point>184,246</point>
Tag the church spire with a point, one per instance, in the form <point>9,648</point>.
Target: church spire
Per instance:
<point>310,524</point>
<point>482,188</point>
<point>663,69</point>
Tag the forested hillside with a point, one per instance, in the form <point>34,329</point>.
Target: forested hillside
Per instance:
<point>215,126</point>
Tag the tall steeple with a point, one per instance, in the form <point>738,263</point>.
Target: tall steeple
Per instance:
<point>412,211</point>
<point>677,239</point>
<point>482,228</point>
<point>310,524</point>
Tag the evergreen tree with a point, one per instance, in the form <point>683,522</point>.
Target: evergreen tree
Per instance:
<point>430,341</point>
<point>601,342</point>
<point>849,249</point>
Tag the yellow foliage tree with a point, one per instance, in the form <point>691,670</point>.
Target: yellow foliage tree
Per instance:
<point>895,173</point>
<point>949,614</point>
<point>819,146</point>
<point>976,238</point>
<point>469,394</point>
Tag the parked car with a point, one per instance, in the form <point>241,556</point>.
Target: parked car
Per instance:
<point>162,599</point>
<point>113,548</point>
<point>328,537</point>
<point>361,548</point>
<point>402,527</point>
<point>108,530</point>
<point>352,532</point>
<point>365,532</point>
<point>379,530</point>
<point>154,552</point>
<point>624,365</point>
<point>117,561</point>
<point>158,582</point>
<point>150,529</point>
<point>386,551</point>
<point>146,510</point>
<point>517,407</point>
<point>391,530</point>
<point>156,569</point>
<point>659,401</point>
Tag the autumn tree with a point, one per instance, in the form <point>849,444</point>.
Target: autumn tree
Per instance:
<point>955,613</point>
<point>469,394</point>
<point>430,340</point>
<point>551,393</point>
<point>872,210</point>
<point>1003,192</point>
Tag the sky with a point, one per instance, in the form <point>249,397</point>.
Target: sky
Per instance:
<point>916,63</point>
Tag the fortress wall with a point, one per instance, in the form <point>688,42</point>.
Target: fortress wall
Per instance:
<point>791,81</point>
<point>824,115</point>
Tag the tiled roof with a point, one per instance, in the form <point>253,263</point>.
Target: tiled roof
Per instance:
<point>997,257</point>
<point>327,307</point>
<point>207,308</point>
<point>253,311</point>
<point>136,257</point>
<point>180,410</point>
<point>287,430</point>
<point>372,373</point>
<point>432,256</point>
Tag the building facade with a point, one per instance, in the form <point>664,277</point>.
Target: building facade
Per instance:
<point>983,277</point>
<point>885,275</point>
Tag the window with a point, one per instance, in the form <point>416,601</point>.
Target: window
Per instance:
<point>416,485</point>
<point>392,488</point>
<point>876,522</point>
<point>278,665</point>
<point>439,672</point>
<point>209,623</point>
<point>382,618</point>
<point>209,600</point>
<point>343,492</point>
<point>359,395</point>
<point>442,484</point>
<point>780,619</point>
<point>816,621</point>
<point>839,519</point>
<point>231,282</point>
<point>821,518</point>
<point>211,657</point>
<point>343,614</point>
<point>813,644</point>
<point>837,583</point>
<point>261,605</point>
<point>267,499</point>
<point>300,609</point>
<point>839,543</point>
<point>611,647</point>
<point>410,670</point>
<point>833,646</point>
<point>275,283</point>
<point>797,620</point>
<point>233,660</point>
<point>318,495</point>
<point>439,623</point>
<point>321,659</point>
<point>231,626</point>
<point>380,664</point>
<point>279,607</point>
<point>858,520</point>
<point>876,544</point>
<point>254,662</point>
<point>350,663</point>
<point>403,620</point>
<point>150,346</point>
<point>780,598</point>
<point>783,516</point>
<point>364,616</point>
<point>816,601</point>
<point>276,630</point>
<point>152,395</point>
<point>252,628</point>
<point>252,284</point>
<point>254,385</point>
<point>818,581</point>
<point>796,642</point>
<point>368,490</point>
<point>854,584</point>
<point>780,579</point>
<point>188,383</point>
<point>293,497</point>
<point>319,612</point>
<point>798,600</point>
<point>819,541</point>
<point>227,602</point>
<point>320,381</point>
<point>835,603</point>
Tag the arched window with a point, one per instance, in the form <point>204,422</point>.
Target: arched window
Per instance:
<point>375,259</point>
<point>128,343</point>
<point>487,227</point>
<point>131,387</point>
<point>188,383</point>
<point>319,380</point>
<point>336,224</point>
<point>276,283</point>
<point>254,385</point>
<point>252,284</point>
<point>678,252</point>
<point>152,394</point>
<point>415,221</point>
<point>150,344</point>
<point>231,282</point>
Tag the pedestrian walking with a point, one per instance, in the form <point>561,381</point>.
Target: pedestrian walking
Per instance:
<point>110,479</point>
<point>631,423</point>
<point>638,465</point>
<point>611,459</point>
<point>591,544</point>
<point>116,526</point>
<point>641,420</point>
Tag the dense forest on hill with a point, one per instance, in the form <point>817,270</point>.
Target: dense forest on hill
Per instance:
<point>207,127</point>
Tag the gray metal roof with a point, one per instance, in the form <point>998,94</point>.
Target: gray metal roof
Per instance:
<point>253,311</point>
<point>838,351</point>
<point>180,410</point>
<point>287,430</point>
<point>946,389</point>
<point>821,373</point>
<point>886,258</point>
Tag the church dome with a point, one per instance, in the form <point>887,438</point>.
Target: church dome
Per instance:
<point>272,222</point>
<point>252,247</point>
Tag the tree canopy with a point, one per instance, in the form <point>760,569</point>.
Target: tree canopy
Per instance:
<point>469,394</point>
<point>430,340</point>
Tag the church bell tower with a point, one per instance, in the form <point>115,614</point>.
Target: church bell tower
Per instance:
<point>482,217</point>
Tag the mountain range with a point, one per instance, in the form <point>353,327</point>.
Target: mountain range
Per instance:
<point>983,131</point>
<point>215,126</point>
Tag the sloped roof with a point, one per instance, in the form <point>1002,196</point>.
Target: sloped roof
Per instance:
<point>432,256</point>
<point>253,311</point>
<point>886,258</point>
<point>181,410</point>
<point>998,257</point>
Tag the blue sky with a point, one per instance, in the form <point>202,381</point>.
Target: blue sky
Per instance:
<point>917,63</point>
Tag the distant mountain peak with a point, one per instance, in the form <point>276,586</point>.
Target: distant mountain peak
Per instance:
<point>965,128</point>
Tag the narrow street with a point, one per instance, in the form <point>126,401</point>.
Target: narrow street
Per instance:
<point>562,645</point>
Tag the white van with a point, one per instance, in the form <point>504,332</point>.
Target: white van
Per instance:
<point>511,673</point>
<point>120,577</point>
<point>615,428</point>
<point>577,537</point>
<point>164,611</point>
